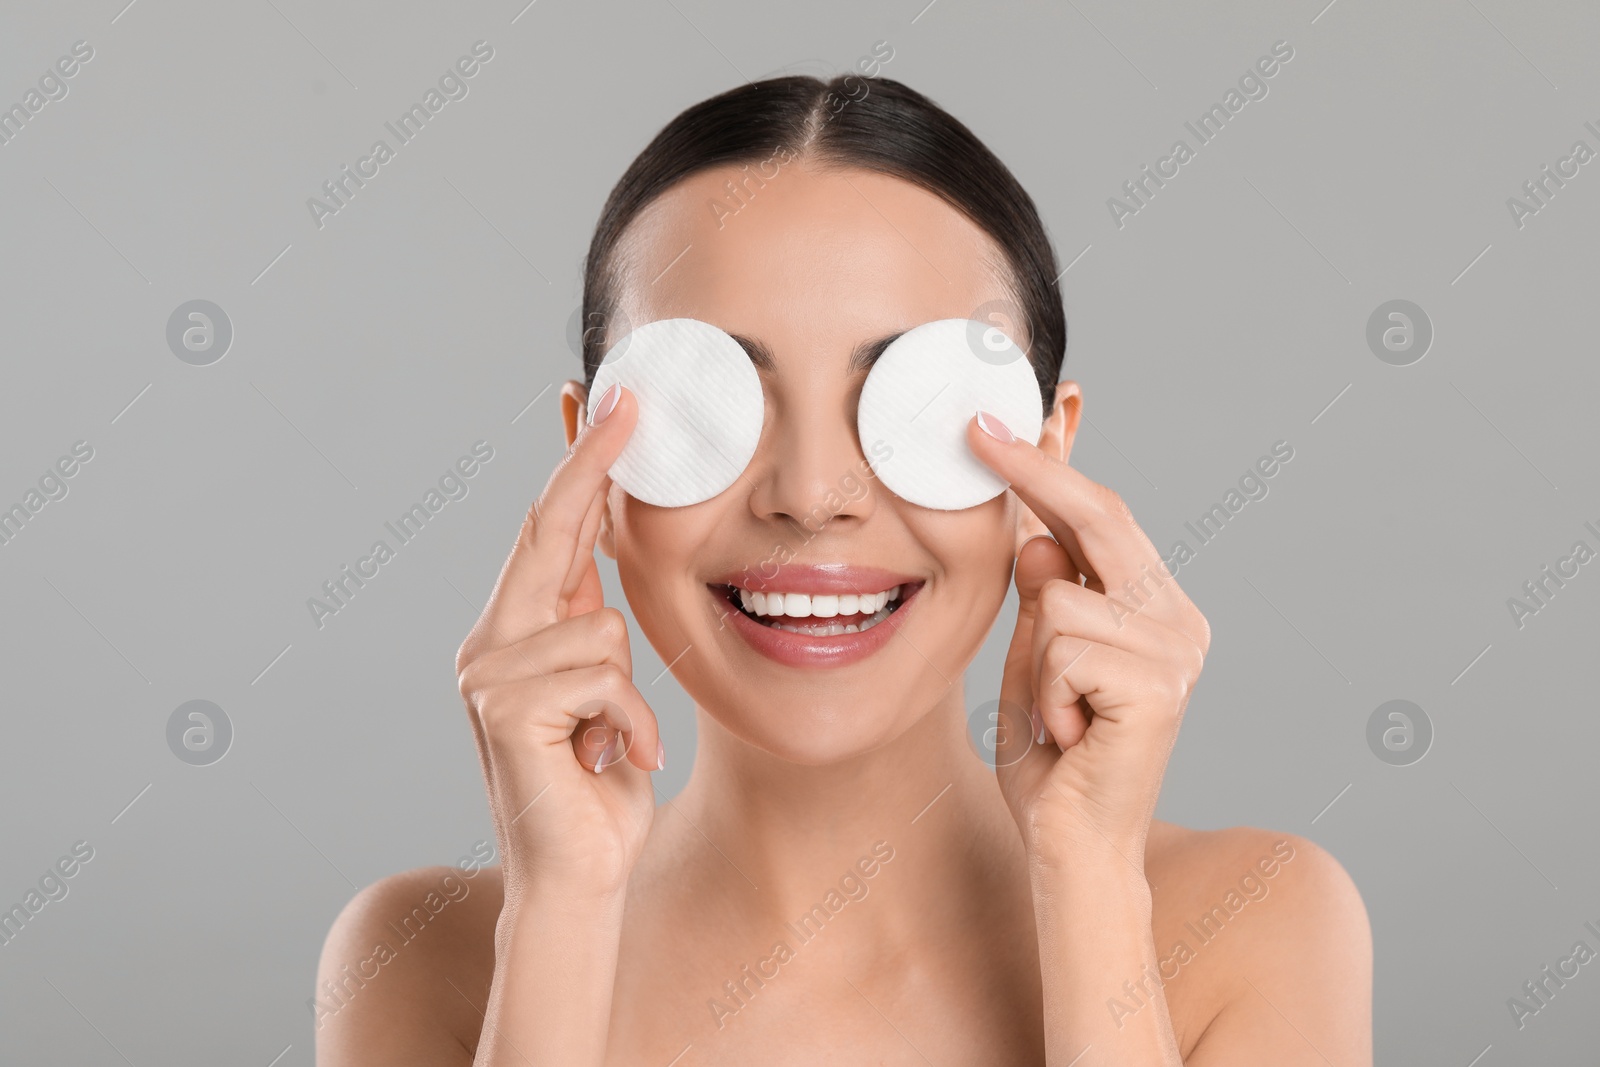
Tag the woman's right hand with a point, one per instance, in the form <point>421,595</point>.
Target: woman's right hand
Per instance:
<point>565,740</point>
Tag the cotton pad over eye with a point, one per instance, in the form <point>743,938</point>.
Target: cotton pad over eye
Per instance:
<point>700,410</point>
<point>919,397</point>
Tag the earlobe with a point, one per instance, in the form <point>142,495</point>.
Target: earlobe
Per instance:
<point>606,540</point>
<point>1061,428</point>
<point>574,408</point>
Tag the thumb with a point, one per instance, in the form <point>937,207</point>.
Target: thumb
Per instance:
<point>1039,559</point>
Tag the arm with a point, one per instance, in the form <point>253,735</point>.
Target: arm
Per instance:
<point>1290,985</point>
<point>1106,652</point>
<point>1093,916</point>
<point>567,744</point>
<point>555,961</point>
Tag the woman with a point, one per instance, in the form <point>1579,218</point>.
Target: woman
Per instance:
<point>842,879</point>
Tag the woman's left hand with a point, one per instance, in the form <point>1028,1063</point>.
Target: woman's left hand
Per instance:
<point>1107,649</point>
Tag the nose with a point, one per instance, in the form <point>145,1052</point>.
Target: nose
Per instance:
<point>809,467</point>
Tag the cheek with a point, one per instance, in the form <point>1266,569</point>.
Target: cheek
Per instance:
<point>987,554</point>
<point>658,553</point>
<point>973,550</point>
<point>972,544</point>
<point>651,543</point>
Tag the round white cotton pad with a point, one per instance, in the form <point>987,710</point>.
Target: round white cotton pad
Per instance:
<point>700,410</point>
<point>919,397</point>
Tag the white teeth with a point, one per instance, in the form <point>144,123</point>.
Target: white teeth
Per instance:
<point>819,606</point>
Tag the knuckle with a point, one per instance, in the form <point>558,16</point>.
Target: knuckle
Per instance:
<point>611,626</point>
<point>1054,596</point>
<point>492,714</point>
<point>1113,508</point>
<point>1165,688</point>
<point>1203,628</point>
<point>1049,663</point>
<point>468,682</point>
<point>530,524</point>
<point>1060,654</point>
<point>612,680</point>
<point>1174,689</point>
<point>467,654</point>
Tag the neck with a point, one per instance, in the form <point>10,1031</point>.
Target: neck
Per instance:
<point>785,834</point>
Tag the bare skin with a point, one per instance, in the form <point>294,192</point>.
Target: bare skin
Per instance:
<point>1013,918</point>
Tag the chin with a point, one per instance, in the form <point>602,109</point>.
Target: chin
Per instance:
<point>810,732</point>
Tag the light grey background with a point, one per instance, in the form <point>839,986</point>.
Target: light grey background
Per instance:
<point>432,312</point>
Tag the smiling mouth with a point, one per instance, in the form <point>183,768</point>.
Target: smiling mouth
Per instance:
<point>816,614</point>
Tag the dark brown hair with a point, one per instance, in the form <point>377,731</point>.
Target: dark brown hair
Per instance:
<point>876,124</point>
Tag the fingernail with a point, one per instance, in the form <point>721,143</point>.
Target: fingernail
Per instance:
<point>607,754</point>
<point>995,428</point>
<point>1038,724</point>
<point>661,756</point>
<point>608,401</point>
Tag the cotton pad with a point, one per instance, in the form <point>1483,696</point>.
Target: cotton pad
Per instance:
<point>919,397</point>
<point>700,410</point>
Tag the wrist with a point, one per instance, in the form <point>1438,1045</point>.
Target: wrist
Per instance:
<point>537,904</point>
<point>1068,844</point>
<point>1089,878</point>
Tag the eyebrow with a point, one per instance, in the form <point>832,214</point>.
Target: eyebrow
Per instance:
<point>862,357</point>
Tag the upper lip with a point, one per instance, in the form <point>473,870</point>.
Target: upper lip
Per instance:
<point>815,578</point>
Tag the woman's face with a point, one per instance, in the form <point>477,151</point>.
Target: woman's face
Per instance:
<point>815,265</point>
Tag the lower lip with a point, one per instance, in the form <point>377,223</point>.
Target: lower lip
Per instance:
<point>803,650</point>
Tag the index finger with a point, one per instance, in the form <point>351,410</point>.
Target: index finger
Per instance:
<point>556,543</point>
<point>1088,519</point>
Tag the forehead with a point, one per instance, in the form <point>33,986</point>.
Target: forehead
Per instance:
<point>813,261</point>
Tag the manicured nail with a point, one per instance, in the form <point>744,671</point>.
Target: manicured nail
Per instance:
<point>995,428</point>
<point>1031,540</point>
<point>608,401</point>
<point>607,755</point>
<point>661,756</point>
<point>1038,724</point>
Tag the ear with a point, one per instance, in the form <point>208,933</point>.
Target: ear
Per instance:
<point>574,405</point>
<point>1055,440</point>
<point>574,415</point>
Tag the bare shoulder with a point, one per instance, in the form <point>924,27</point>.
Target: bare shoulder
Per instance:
<point>406,968</point>
<point>1210,859</point>
<point>1263,946</point>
